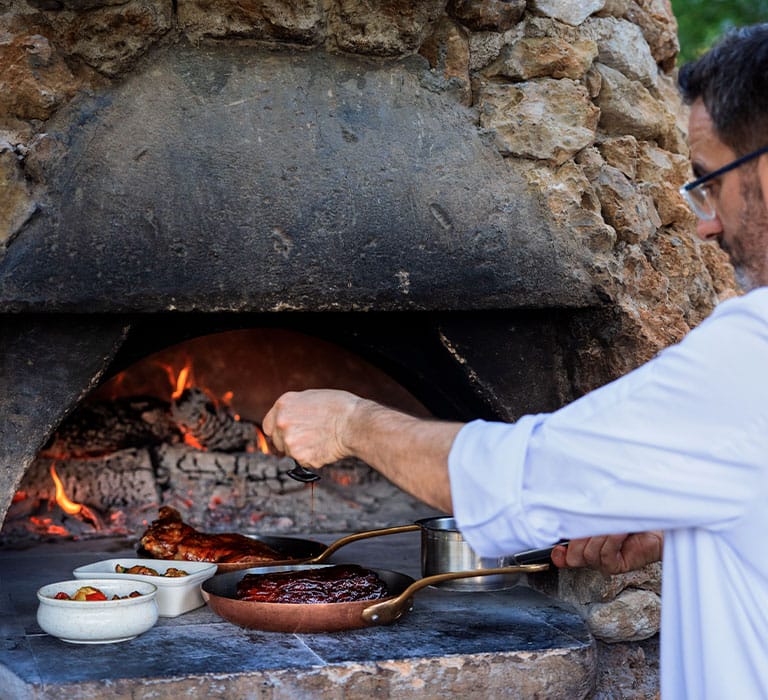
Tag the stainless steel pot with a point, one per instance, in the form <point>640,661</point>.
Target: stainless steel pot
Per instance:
<point>444,549</point>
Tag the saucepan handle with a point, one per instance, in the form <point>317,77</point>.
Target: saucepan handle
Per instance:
<point>536,556</point>
<point>341,542</point>
<point>391,609</point>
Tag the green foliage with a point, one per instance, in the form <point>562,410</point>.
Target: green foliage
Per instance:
<point>701,22</point>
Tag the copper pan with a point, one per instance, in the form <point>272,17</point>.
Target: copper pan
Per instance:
<point>219,593</point>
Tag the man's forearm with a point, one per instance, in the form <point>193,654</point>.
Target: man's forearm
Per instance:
<point>410,452</point>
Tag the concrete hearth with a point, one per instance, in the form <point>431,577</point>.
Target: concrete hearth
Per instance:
<point>514,643</point>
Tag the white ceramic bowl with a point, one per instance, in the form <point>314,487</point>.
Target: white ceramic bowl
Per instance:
<point>97,621</point>
<point>175,595</point>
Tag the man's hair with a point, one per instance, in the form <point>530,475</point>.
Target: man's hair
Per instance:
<point>732,80</point>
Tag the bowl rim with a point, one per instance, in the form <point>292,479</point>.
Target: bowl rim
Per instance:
<point>45,593</point>
<point>204,571</point>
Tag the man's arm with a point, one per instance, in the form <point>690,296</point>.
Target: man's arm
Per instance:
<point>317,427</point>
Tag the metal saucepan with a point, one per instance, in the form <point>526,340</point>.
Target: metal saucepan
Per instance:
<point>444,549</point>
<point>219,593</point>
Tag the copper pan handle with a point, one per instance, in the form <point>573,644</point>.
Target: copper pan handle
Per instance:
<point>390,610</point>
<point>341,542</point>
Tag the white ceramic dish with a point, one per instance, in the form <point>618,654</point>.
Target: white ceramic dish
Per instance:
<point>175,595</point>
<point>97,621</point>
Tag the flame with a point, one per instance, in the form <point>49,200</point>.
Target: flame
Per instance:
<point>69,507</point>
<point>261,441</point>
<point>183,380</point>
<point>79,510</point>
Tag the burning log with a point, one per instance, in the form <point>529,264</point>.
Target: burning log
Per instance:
<point>123,479</point>
<point>117,459</point>
<point>253,477</point>
<point>102,427</point>
<point>207,425</point>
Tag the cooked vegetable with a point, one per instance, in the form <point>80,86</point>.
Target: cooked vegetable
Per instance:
<point>172,572</point>
<point>90,593</point>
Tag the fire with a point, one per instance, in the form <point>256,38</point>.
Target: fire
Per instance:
<point>261,440</point>
<point>46,524</point>
<point>192,441</point>
<point>183,380</point>
<point>68,506</point>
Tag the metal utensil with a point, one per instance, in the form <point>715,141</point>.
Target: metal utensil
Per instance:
<point>302,474</point>
<point>535,556</point>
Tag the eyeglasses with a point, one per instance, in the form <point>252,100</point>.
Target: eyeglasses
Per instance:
<point>696,194</point>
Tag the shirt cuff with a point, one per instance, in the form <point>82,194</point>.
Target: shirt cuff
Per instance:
<point>485,467</point>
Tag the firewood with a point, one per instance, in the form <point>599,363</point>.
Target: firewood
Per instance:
<point>101,427</point>
<point>211,426</point>
<point>124,478</point>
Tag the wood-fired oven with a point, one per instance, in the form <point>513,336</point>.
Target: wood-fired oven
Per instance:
<point>464,208</point>
<point>228,189</point>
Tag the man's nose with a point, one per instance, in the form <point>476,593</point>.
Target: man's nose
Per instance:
<point>709,230</point>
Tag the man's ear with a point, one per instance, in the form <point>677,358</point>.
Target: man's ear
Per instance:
<point>762,173</point>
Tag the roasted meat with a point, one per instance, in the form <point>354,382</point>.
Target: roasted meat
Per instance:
<point>169,537</point>
<point>343,583</point>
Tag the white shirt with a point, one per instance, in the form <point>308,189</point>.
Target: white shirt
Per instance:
<point>680,444</point>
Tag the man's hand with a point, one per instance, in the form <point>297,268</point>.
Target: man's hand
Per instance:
<point>321,426</point>
<point>610,554</point>
<point>309,425</point>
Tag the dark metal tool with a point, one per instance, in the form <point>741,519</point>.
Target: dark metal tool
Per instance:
<point>303,474</point>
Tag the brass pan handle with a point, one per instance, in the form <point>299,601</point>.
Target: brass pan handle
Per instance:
<point>388,611</point>
<point>341,542</point>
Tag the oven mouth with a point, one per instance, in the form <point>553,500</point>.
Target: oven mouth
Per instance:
<point>405,360</point>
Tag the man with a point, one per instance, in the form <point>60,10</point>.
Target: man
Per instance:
<point>679,445</point>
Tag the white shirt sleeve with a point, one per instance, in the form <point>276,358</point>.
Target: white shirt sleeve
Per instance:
<point>679,442</point>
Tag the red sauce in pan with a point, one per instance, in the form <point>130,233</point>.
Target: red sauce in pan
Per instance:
<point>343,583</point>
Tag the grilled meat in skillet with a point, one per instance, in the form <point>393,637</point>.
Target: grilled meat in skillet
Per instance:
<point>169,537</point>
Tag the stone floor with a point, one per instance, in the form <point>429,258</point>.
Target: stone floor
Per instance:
<point>513,643</point>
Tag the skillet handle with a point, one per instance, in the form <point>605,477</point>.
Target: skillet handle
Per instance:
<point>341,542</point>
<point>388,611</point>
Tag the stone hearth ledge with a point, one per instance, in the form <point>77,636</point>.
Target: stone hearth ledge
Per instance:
<point>514,643</point>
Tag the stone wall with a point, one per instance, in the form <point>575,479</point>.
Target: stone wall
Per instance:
<point>580,95</point>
